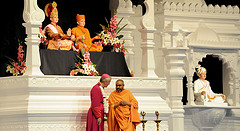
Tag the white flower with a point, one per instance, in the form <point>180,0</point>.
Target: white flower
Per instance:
<point>91,67</point>
<point>106,36</point>
<point>23,71</point>
<point>85,66</point>
<point>8,68</point>
<point>111,41</point>
<point>87,72</point>
<point>116,40</point>
<point>105,41</point>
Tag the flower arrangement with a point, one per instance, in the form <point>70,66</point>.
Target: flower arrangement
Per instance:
<point>109,36</point>
<point>17,67</point>
<point>43,38</point>
<point>85,66</point>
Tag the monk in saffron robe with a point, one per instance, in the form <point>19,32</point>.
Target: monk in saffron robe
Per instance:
<point>96,111</point>
<point>123,109</point>
<point>81,36</point>
<point>53,31</point>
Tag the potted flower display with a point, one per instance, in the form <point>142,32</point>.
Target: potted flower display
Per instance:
<point>110,38</point>
<point>17,67</point>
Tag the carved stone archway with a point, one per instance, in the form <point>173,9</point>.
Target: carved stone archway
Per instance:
<point>229,58</point>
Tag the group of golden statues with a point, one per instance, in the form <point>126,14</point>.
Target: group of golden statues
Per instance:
<point>79,35</point>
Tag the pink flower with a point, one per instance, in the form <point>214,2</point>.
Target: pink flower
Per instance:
<point>92,73</point>
<point>20,56</point>
<point>100,43</point>
<point>123,50</point>
<point>80,70</point>
<point>20,52</point>
<point>23,66</point>
<point>20,49</point>
<point>15,64</point>
<point>115,16</point>
<point>114,35</point>
<point>113,23</point>
<point>14,70</point>
<point>86,56</point>
<point>73,73</point>
<point>109,33</point>
<point>40,29</point>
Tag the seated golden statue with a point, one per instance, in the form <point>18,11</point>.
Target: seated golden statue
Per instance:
<point>57,40</point>
<point>203,91</point>
<point>81,36</point>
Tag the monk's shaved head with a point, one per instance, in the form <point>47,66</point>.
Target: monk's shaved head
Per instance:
<point>119,85</point>
<point>120,80</point>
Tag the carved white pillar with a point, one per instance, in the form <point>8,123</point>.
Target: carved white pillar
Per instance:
<point>231,85</point>
<point>159,36</point>
<point>236,93</point>
<point>236,87</point>
<point>33,17</point>
<point>124,11</point>
<point>175,61</point>
<point>147,34</point>
<point>189,68</point>
<point>135,19</point>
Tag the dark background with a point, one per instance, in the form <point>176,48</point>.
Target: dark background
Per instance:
<point>13,30</point>
<point>95,12</point>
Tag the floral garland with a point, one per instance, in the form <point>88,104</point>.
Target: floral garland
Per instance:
<point>85,67</point>
<point>109,36</point>
<point>17,67</point>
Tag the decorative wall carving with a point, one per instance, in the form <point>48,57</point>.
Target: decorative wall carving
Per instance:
<point>206,118</point>
<point>197,8</point>
<point>62,102</point>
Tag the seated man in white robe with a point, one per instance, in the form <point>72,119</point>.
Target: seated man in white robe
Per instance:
<point>203,91</point>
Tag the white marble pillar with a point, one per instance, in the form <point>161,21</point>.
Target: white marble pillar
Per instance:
<point>175,61</point>
<point>135,19</point>
<point>189,69</point>
<point>190,94</point>
<point>147,34</point>
<point>236,86</point>
<point>125,10</point>
<point>33,17</point>
<point>159,40</point>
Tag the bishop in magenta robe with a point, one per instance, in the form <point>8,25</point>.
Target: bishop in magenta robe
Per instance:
<point>96,111</point>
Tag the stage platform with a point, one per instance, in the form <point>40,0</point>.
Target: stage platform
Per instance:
<point>60,103</point>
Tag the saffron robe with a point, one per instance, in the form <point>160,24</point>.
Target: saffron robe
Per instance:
<point>96,110</point>
<point>53,35</point>
<point>123,118</point>
<point>87,42</point>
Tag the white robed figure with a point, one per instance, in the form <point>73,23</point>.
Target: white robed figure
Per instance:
<point>203,91</point>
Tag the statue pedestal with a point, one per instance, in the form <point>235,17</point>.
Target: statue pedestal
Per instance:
<point>206,118</point>
<point>205,103</point>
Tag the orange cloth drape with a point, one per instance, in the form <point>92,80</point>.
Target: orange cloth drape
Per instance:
<point>87,42</point>
<point>123,118</point>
